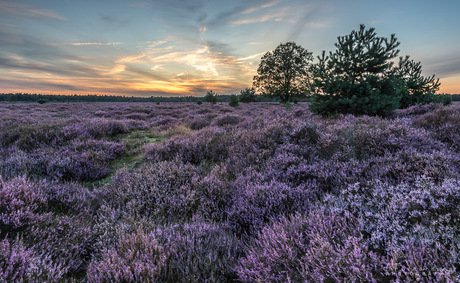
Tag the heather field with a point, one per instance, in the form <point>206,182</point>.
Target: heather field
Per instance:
<point>181,192</point>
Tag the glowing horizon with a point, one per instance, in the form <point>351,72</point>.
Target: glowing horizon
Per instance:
<point>175,47</point>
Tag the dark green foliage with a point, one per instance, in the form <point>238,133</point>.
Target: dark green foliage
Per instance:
<point>284,72</point>
<point>358,77</point>
<point>415,89</point>
<point>445,99</point>
<point>211,97</point>
<point>234,101</point>
<point>42,101</point>
<point>247,95</point>
<point>199,102</point>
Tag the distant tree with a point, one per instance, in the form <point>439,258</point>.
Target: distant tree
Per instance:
<point>233,100</point>
<point>247,95</point>
<point>284,72</point>
<point>199,102</point>
<point>415,88</point>
<point>42,101</point>
<point>211,97</point>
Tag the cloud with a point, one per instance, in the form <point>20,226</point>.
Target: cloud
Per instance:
<point>277,16</point>
<point>306,19</point>
<point>447,66</point>
<point>258,55</point>
<point>87,43</point>
<point>244,9</point>
<point>113,20</point>
<point>20,10</point>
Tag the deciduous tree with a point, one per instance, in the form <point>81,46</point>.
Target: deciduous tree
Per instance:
<point>284,72</point>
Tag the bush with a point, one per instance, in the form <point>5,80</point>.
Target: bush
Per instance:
<point>19,264</point>
<point>162,191</point>
<point>15,262</point>
<point>137,258</point>
<point>247,95</point>
<point>22,204</point>
<point>256,202</point>
<point>234,100</point>
<point>211,97</point>
<point>194,252</point>
<point>318,247</point>
<point>391,215</point>
<point>67,241</point>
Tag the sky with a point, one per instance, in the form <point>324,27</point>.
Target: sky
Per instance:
<point>187,47</point>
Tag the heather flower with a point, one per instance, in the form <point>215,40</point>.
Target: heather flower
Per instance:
<point>137,258</point>
<point>21,204</point>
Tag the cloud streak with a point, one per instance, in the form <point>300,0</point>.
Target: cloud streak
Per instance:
<point>20,10</point>
<point>86,43</point>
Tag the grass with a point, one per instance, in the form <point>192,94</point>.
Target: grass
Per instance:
<point>134,143</point>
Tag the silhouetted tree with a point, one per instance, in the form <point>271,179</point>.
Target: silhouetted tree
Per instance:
<point>284,72</point>
<point>247,95</point>
<point>211,97</point>
<point>233,100</point>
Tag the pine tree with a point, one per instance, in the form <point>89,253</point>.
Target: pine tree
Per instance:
<point>415,88</point>
<point>211,97</point>
<point>358,77</point>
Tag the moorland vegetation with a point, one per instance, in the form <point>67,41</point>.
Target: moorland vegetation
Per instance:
<point>246,192</point>
<point>192,193</point>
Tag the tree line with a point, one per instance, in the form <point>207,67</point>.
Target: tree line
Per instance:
<point>245,96</point>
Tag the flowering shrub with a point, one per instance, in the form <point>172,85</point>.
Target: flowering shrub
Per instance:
<point>21,204</point>
<point>70,198</point>
<point>138,258</point>
<point>228,120</point>
<point>256,203</point>
<point>180,253</point>
<point>313,248</point>
<point>212,193</point>
<point>392,214</point>
<point>15,262</point>
<point>162,191</point>
<point>209,144</point>
<point>199,252</point>
<point>66,241</point>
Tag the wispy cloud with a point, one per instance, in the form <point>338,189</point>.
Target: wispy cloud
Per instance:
<point>20,10</point>
<point>86,43</point>
<point>251,56</point>
<point>445,66</point>
<point>277,16</point>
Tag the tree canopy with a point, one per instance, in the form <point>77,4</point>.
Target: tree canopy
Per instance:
<point>284,72</point>
<point>360,77</point>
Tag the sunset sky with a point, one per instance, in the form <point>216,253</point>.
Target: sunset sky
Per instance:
<point>180,47</point>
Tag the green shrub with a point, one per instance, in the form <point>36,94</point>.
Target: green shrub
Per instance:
<point>247,95</point>
<point>211,97</point>
<point>234,100</point>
